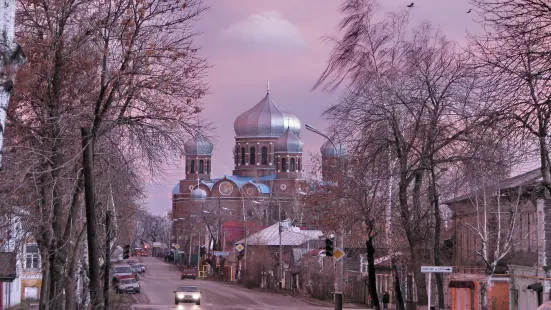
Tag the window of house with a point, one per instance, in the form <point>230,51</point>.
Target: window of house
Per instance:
<point>292,164</point>
<point>252,156</point>
<point>242,156</point>
<point>31,256</point>
<point>192,167</point>
<point>264,156</point>
<point>284,164</point>
<point>201,166</point>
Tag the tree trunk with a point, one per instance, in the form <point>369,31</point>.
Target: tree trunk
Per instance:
<point>437,227</point>
<point>45,288</point>
<point>397,288</point>
<point>372,279</point>
<point>420,282</point>
<point>12,59</point>
<point>70,289</point>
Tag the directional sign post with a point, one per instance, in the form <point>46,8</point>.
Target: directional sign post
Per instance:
<point>176,247</point>
<point>338,254</point>
<point>239,247</point>
<point>430,270</point>
<point>221,253</point>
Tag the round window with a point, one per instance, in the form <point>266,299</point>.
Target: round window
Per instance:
<point>225,188</point>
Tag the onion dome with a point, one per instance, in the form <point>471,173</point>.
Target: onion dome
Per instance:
<point>198,194</point>
<point>329,150</point>
<point>198,145</point>
<point>288,143</point>
<point>267,120</point>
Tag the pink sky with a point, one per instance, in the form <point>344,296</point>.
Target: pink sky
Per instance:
<point>249,42</point>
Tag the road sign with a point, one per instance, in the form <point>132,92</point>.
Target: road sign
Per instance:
<point>322,253</point>
<point>438,269</point>
<point>174,244</point>
<point>176,247</point>
<point>338,253</point>
<point>221,253</point>
<point>239,247</point>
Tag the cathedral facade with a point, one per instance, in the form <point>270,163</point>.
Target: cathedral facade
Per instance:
<point>267,179</point>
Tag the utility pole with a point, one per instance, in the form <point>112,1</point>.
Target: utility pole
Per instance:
<point>106,277</point>
<point>339,274</point>
<point>280,248</point>
<point>90,202</point>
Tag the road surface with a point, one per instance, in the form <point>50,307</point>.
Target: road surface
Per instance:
<point>161,279</point>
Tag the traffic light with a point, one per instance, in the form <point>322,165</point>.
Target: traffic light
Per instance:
<point>126,251</point>
<point>145,246</point>
<point>328,247</point>
<point>202,250</point>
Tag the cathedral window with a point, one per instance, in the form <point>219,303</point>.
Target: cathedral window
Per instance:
<point>298,164</point>
<point>192,166</point>
<point>242,156</point>
<point>252,156</point>
<point>201,166</point>
<point>292,164</point>
<point>284,164</point>
<point>208,166</point>
<point>264,157</point>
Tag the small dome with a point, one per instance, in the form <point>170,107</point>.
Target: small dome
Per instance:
<point>199,145</point>
<point>329,150</point>
<point>288,143</point>
<point>265,119</point>
<point>198,194</point>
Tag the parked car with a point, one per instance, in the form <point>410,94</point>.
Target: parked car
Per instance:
<point>136,268</point>
<point>189,273</point>
<point>187,294</point>
<point>128,286</point>
<point>123,272</point>
<point>131,262</point>
<point>139,265</point>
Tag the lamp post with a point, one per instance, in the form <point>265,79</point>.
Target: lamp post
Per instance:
<point>339,274</point>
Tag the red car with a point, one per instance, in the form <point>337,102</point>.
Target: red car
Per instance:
<point>189,273</point>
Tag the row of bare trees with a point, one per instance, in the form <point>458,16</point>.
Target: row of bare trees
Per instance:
<point>442,119</point>
<point>127,70</point>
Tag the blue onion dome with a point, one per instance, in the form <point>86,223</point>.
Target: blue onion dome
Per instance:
<point>288,143</point>
<point>329,150</point>
<point>198,145</point>
<point>267,120</point>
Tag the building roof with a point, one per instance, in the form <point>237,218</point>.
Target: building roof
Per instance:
<point>525,179</point>
<point>7,266</point>
<point>329,150</point>
<point>265,119</point>
<point>288,143</point>
<point>198,145</point>
<point>291,236</point>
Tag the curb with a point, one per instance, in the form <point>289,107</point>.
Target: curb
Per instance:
<point>315,303</point>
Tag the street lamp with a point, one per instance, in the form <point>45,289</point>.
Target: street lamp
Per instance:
<point>339,275</point>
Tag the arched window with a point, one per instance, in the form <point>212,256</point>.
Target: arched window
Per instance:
<point>264,156</point>
<point>192,166</point>
<point>284,164</point>
<point>252,156</point>
<point>292,164</point>
<point>298,164</point>
<point>236,155</point>
<point>208,166</point>
<point>242,156</point>
<point>201,166</point>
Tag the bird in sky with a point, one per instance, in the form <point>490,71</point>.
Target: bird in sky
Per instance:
<point>411,5</point>
<point>469,11</point>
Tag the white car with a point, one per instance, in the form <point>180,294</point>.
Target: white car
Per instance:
<point>128,286</point>
<point>187,294</point>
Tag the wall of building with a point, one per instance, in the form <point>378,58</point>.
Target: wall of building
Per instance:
<point>11,292</point>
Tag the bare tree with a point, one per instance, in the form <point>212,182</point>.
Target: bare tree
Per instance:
<point>12,58</point>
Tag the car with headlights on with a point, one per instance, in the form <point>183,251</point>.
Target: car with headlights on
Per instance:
<point>128,286</point>
<point>187,294</point>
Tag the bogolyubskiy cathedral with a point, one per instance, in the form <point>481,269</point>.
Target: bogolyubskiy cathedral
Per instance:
<point>267,175</point>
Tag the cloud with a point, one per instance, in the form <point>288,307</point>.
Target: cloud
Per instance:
<point>266,29</point>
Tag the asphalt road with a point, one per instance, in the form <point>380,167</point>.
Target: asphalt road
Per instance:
<point>161,279</point>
